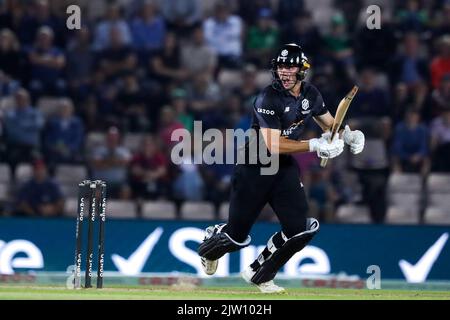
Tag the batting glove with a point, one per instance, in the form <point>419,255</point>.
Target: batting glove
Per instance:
<point>355,139</point>
<point>325,149</point>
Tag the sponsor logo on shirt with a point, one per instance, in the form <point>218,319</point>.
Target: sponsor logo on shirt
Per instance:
<point>265,111</point>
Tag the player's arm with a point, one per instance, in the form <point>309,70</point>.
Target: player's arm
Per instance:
<point>277,144</point>
<point>324,121</point>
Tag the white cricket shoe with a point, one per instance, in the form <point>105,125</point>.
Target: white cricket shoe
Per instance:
<point>210,266</point>
<point>265,287</point>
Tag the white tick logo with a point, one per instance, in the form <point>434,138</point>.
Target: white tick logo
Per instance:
<point>418,273</point>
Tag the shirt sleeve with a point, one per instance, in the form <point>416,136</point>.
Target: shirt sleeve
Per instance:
<point>266,112</point>
<point>319,107</point>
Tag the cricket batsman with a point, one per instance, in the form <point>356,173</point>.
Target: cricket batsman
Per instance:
<point>281,110</point>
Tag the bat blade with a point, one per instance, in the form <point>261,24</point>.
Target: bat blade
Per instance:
<point>341,111</point>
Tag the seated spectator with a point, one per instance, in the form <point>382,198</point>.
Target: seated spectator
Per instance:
<point>130,105</point>
<point>8,86</point>
<point>338,47</point>
<point>204,96</point>
<point>63,136</point>
<point>440,65</point>
<point>248,90</point>
<point>148,29</point>
<point>412,17</point>
<point>165,65</point>
<point>80,63</point>
<point>47,63</point>
<point>109,163</point>
<point>181,15</point>
<point>168,123</point>
<point>410,146</point>
<point>148,171</point>
<point>39,14</point>
<point>41,196</point>
<point>179,101</point>
<point>223,33</point>
<point>371,100</point>
<point>262,39</point>
<point>10,55</point>
<point>22,127</point>
<point>249,10</point>
<point>196,56</point>
<point>118,57</point>
<point>321,195</point>
<point>288,10</point>
<point>410,70</point>
<point>112,20</point>
<point>303,30</point>
<point>440,142</point>
<point>375,47</point>
<point>440,97</point>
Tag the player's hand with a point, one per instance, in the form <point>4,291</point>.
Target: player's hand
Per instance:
<point>325,149</point>
<point>355,139</point>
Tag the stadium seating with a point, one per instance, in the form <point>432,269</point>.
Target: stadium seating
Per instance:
<point>165,210</point>
<point>121,209</point>
<point>223,211</point>
<point>70,174</point>
<point>350,213</point>
<point>402,215</point>
<point>5,173</point>
<point>4,192</point>
<point>404,183</point>
<point>48,106</point>
<point>24,172</point>
<point>197,211</point>
<point>132,141</point>
<point>438,183</point>
<point>437,215</point>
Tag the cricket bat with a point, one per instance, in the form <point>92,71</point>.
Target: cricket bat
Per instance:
<point>339,116</point>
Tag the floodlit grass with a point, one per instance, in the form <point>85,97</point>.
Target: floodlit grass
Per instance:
<point>202,293</point>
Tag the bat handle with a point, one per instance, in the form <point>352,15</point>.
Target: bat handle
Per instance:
<point>323,163</point>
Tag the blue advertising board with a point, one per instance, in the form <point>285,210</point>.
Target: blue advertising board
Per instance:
<point>411,253</point>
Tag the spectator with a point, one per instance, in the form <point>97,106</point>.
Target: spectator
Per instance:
<point>248,90</point>
<point>339,47</point>
<point>130,105</point>
<point>118,57</point>
<point>148,29</point>
<point>148,171</point>
<point>262,39</point>
<point>165,65</point>
<point>41,196</point>
<point>8,86</point>
<point>375,47</point>
<point>412,17</point>
<point>196,56</point>
<point>182,15</point>
<point>10,55</point>
<point>180,105</point>
<point>409,70</point>
<point>440,65</point>
<point>372,100</point>
<point>38,16</point>
<point>112,20</point>
<point>63,136</point>
<point>22,127</point>
<point>443,22</point>
<point>224,33</point>
<point>80,63</point>
<point>47,63</point>
<point>249,10</point>
<point>440,142</point>
<point>288,10</point>
<point>321,195</point>
<point>440,97</point>
<point>410,146</point>
<point>167,124</point>
<point>204,96</point>
<point>303,30</point>
<point>109,163</point>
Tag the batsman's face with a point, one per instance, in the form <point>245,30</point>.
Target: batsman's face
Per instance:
<point>288,76</point>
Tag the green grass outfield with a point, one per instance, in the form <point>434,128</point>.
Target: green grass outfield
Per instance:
<point>200,293</point>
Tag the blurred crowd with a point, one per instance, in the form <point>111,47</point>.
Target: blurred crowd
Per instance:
<point>147,67</point>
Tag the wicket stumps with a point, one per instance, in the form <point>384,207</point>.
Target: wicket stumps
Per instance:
<point>91,195</point>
